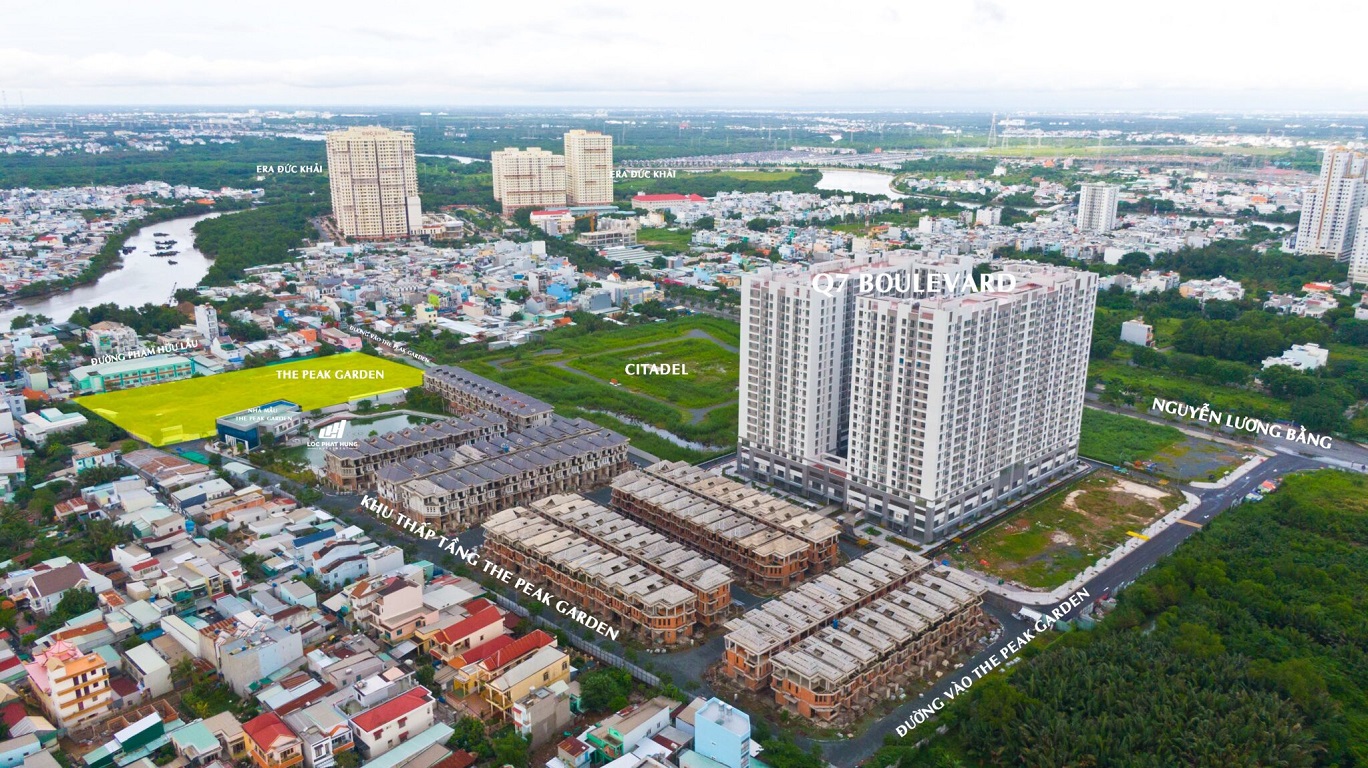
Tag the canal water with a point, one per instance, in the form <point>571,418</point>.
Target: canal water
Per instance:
<point>142,279</point>
<point>868,182</point>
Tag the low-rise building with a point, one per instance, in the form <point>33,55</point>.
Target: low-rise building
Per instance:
<point>72,686</point>
<point>620,733</point>
<point>614,587</point>
<point>458,487</point>
<point>247,429</point>
<point>543,714</point>
<point>352,468</point>
<point>467,393</point>
<point>842,670</point>
<point>1137,332</point>
<point>126,374</point>
<point>150,670</point>
<point>271,743</point>
<point>547,666</point>
<point>1301,357</point>
<point>383,727</point>
<point>47,422</point>
<point>90,456</point>
<point>324,734</point>
<point>753,639</point>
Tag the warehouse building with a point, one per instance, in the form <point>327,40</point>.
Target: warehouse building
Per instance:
<point>770,542</point>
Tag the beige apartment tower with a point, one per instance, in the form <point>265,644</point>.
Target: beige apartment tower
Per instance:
<point>1330,209</point>
<point>531,177</point>
<point>588,168</point>
<point>374,180</point>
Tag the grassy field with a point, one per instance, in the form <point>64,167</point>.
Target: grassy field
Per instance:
<point>1117,439</point>
<point>1164,329</point>
<point>596,358</point>
<point>1048,543</point>
<point>711,377</point>
<point>1148,384</point>
<point>186,410</point>
<point>678,238</point>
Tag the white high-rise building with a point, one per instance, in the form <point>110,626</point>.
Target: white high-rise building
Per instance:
<point>373,175</point>
<point>1097,207</point>
<point>796,362</point>
<point>1358,258</point>
<point>531,177</point>
<point>1330,209</point>
<point>962,404</point>
<point>588,168</point>
<point>206,321</point>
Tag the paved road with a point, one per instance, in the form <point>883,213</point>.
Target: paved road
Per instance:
<point>1341,453</point>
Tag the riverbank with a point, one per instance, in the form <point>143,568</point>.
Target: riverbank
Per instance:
<point>111,257</point>
<point>136,278</point>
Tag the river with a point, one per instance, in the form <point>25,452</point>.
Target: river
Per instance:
<point>142,279</point>
<point>868,182</point>
<point>460,158</point>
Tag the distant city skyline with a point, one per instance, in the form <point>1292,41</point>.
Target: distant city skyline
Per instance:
<point>878,54</point>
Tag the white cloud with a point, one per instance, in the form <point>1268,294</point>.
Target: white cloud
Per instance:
<point>403,51</point>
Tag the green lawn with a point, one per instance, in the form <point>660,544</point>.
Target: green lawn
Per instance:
<point>186,410</point>
<point>1118,439</point>
<point>1164,329</point>
<point>678,238</point>
<point>1049,542</point>
<point>1147,384</point>
<point>710,378</point>
<point>712,382</point>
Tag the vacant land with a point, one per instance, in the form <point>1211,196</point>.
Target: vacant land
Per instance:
<point>686,418</point>
<point>186,410</point>
<point>1046,544</point>
<point>1117,439</point>
<point>675,238</point>
<point>710,376</point>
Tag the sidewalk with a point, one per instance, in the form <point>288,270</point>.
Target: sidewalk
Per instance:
<point>1238,472</point>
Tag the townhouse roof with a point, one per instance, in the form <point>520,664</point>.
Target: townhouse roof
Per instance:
<point>404,703</point>
<point>268,730</point>
<point>470,625</point>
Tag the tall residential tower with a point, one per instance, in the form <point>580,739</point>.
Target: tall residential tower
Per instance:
<point>588,168</point>
<point>925,407</point>
<point>374,182</point>
<point>531,177</point>
<point>962,404</point>
<point>1330,209</point>
<point>1097,207</point>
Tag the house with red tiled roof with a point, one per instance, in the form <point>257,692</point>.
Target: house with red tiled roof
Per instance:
<point>271,743</point>
<point>475,672</point>
<point>386,726</point>
<point>475,629</point>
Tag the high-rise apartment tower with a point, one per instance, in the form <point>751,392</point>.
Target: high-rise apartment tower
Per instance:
<point>374,181</point>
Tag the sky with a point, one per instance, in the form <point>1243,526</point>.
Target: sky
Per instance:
<point>854,54</point>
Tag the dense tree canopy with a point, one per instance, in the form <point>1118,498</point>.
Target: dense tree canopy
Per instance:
<point>1245,647</point>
